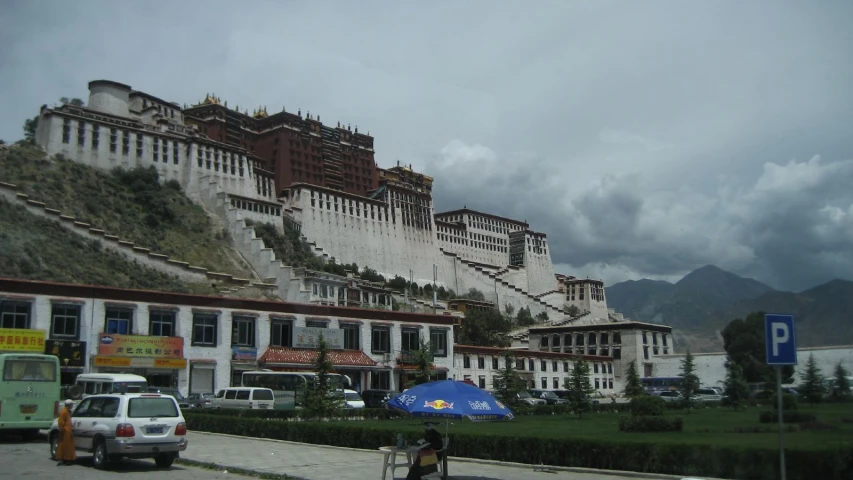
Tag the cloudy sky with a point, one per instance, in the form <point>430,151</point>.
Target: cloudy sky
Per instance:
<point>645,138</point>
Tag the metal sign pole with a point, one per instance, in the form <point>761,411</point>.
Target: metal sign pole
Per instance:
<point>781,423</point>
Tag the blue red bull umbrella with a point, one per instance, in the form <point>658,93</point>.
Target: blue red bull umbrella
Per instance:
<point>450,399</point>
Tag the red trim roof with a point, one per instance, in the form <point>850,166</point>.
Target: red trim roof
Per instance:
<point>33,287</point>
<point>301,356</point>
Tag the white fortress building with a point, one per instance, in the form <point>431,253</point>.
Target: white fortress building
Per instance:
<point>322,180</point>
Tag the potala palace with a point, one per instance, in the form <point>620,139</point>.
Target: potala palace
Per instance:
<point>291,168</point>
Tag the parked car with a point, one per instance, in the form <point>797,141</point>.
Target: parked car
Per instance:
<point>174,392</point>
<point>352,399</point>
<point>708,395</point>
<point>377,398</point>
<point>133,425</point>
<point>670,396</point>
<point>550,397</point>
<point>526,398</point>
<point>200,400</point>
<point>244,397</point>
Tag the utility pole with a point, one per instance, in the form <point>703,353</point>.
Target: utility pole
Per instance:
<point>411,280</point>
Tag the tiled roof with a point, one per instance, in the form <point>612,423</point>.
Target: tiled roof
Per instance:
<point>302,356</point>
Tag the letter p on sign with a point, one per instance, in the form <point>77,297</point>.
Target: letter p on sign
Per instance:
<point>780,339</point>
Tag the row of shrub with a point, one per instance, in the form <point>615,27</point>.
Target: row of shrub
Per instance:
<point>673,459</point>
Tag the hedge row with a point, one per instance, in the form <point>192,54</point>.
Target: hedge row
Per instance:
<point>384,413</point>
<point>672,459</point>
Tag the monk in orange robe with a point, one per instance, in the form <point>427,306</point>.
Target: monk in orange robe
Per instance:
<point>66,452</point>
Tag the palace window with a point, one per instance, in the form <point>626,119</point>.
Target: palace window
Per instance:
<point>14,314</point>
<point>495,363</point>
<point>81,133</point>
<point>65,321</point>
<point>380,341</point>
<point>410,340</point>
<point>66,130</point>
<point>438,342</point>
<point>243,331</point>
<point>352,334</point>
<point>156,149</point>
<point>125,142</point>
<point>204,330</point>
<point>96,139</point>
<point>161,324</point>
<point>281,333</point>
<point>113,140</point>
<point>118,320</point>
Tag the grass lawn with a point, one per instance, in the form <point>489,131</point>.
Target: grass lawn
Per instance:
<point>711,426</point>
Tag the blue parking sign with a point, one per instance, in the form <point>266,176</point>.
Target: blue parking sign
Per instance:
<point>780,339</point>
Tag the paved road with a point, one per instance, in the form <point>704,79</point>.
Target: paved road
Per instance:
<point>31,460</point>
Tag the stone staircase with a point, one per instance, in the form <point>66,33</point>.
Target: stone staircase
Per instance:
<point>492,276</point>
<point>228,284</point>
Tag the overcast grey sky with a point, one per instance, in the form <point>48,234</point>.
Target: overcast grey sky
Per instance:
<point>645,138</point>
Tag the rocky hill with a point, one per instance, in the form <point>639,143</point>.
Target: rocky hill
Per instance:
<point>701,304</point>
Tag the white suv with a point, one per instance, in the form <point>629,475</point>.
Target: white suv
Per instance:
<point>133,425</point>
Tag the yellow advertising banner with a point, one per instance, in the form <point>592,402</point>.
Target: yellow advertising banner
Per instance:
<point>140,346</point>
<point>112,361</point>
<point>170,363</point>
<point>21,340</point>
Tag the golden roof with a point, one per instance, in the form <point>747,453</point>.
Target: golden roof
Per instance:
<point>260,112</point>
<point>211,100</point>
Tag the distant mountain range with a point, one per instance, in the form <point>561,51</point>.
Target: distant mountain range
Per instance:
<point>702,303</point>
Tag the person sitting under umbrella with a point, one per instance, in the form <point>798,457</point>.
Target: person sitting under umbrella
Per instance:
<point>432,436</point>
<point>425,463</point>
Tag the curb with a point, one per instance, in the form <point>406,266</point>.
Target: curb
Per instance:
<point>620,473</point>
<point>236,470</point>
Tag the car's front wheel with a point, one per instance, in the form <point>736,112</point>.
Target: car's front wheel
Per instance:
<point>164,461</point>
<point>99,456</point>
<point>54,445</point>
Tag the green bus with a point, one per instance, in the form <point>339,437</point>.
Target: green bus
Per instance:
<point>29,392</point>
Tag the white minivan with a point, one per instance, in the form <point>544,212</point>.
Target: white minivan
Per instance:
<point>97,383</point>
<point>244,397</point>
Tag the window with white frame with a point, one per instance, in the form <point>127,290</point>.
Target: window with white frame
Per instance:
<point>544,382</point>
<point>14,314</point>
<point>242,331</point>
<point>161,323</point>
<point>118,321</point>
<point>204,329</point>
<point>65,321</point>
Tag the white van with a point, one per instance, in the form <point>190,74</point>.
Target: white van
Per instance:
<point>244,397</point>
<point>97,383</point>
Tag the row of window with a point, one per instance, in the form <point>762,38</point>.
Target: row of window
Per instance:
<point>256,207</point>
<point>568,339</point>
<point>65,324</point>
<point>520,364</point>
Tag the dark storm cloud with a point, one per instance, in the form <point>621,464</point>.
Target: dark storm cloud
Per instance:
<point>645,138</point>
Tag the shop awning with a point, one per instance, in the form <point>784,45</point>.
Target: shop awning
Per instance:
<point>301,356</point>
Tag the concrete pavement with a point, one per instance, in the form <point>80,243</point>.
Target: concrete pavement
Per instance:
<point>318,462</point>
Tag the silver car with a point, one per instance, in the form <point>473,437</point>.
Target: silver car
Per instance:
<point>133,425</point>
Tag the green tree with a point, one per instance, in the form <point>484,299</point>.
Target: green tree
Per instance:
<point>743,341</point>
<point>633,386</point>
<point>72,101</point>
<point>30,126</point>
<point>321,401</point>
<point>580,390</point>
<point>523,318</point>
<point>475,294</point>
<point>812,387</point>
<point>507,382</point>
<point>423,359</point>
<point>509,309</point>
<point>485,328</point>
<point>542,317</point>
<point>689,380</point>
<point>371,275</point>
<point>841,388</point>
<point>735,387</point>
<point>573,310</point>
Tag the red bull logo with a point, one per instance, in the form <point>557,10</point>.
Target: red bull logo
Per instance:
<point>438,404</point>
